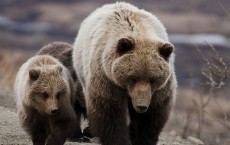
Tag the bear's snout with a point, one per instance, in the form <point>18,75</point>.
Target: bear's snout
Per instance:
<point>53,106</point>
<point>141,95</point>
<point>54,110</point>
<point>141,105</point>
<point>141,109</point>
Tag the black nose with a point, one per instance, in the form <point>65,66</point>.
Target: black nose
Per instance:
<point>54,110</point>
<point>142,108</point>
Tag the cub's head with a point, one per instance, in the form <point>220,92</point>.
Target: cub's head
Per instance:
<point>48,88</point>
<point>140,66</point>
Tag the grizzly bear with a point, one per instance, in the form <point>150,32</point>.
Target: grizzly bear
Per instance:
<point>125,64</point>
<point>63,52</point>
<point>45,94</point>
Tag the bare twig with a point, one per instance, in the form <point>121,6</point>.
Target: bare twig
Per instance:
<point>218,70</point>
<point>187,124</point>
<point>223,112</point>
<point>224,9</point>
<point>215,76</point>
<point>223,123</point>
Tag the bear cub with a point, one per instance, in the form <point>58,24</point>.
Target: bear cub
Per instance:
<point>63,52</point>
<point>45,95</point>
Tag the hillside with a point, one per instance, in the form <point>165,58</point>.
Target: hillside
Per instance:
<point>11,132</point>
<point>203,16</point>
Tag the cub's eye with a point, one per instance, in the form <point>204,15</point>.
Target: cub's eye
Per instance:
<point>59,94</point>
<point>152,81</point>
<point>44,95</point>
<point>133,80</point>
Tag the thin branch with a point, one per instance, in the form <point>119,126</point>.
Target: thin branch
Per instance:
<point>224,9</point>
<point>222,111</point>
<point>225,124</point>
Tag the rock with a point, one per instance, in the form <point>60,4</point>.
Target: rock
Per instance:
<point>179,138</point>
<point>167,139</point>
<point>195,140</point>
<point>173,133</point>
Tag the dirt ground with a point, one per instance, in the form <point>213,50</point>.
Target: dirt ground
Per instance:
<point>11,133</point>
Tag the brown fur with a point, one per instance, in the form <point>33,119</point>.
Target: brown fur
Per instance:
<point>45,93</point>
<point>63,52</point>
<point>125,64</point>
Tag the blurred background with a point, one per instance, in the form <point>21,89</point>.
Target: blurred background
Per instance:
<point>199,29</point>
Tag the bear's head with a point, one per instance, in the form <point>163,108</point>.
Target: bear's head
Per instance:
<point>139,66</point>
<point>48,88</point>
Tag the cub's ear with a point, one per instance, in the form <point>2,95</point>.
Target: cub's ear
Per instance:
<point>34,74</point>
<point>124,45</point>
<point>165,50</point>
<point>59,68</point>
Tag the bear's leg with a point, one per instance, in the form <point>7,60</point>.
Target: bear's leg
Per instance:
<point>57,137</point>
<point>59,132</point>
<point>35,125</point>
<point>108,121</point>
<point>78,135</point>
<point>62,127</point>
<point>38,133</point>
<point>87,132</point>
<point>146,127</point>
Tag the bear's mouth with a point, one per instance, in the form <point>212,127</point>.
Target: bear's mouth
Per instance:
<point>140,105</point>
<point>141,109</point>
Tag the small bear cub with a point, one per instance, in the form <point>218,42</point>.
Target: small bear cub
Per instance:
<point>45,94</point>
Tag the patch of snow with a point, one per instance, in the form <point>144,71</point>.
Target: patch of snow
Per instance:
<point>214,39</point>
<point>7,23</point>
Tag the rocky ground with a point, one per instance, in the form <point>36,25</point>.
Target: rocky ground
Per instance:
<point>12,133</point>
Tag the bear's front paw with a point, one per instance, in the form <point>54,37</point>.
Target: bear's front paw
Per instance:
<point>49,141</point>
<point>54,141</point>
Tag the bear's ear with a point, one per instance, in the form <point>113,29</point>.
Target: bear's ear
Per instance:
<point>124,45</point>
<point>59,68</point>
<point>165,50</point>
<point>34,74</point>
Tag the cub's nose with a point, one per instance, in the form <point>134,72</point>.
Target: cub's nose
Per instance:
<point>54,110</point>
<point>142,109</point>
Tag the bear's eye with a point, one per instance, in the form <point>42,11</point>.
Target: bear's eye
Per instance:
<point>166,50</point>
<point>152,81</point>
<point>44,95</point>
<point>124,45</point>
<point>59,94</point>
<point>133,80</point>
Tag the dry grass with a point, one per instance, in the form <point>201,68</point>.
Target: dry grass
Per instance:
<point>10,61</point>
<point>206,113</point>
<point>185,118</point>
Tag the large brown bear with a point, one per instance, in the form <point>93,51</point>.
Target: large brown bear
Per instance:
<point>125,64</point>
<point>45,94</point>
<point>63,52</point>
